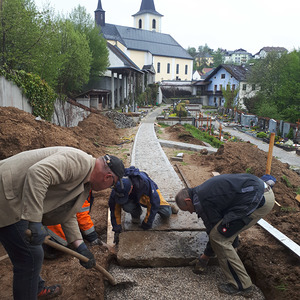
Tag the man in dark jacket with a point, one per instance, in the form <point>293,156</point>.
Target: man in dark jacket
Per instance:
<point>228,204</point>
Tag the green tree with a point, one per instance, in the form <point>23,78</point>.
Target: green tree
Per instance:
<point>75,58</point>
<point>229,95</point>
<point>218,58</point>
<point>192,51</point>
<point>97,44</point>
<point>278,79</point>
<point>21,31</point>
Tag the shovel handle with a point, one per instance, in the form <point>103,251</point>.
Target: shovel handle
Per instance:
<point>64,249</point>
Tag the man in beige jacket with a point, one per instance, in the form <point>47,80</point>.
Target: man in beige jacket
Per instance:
<point>46,187</point>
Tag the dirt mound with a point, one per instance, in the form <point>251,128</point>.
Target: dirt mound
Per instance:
<point>20,131</point>
<point>178,132</point>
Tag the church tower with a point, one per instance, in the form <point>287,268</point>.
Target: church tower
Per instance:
<point>100,15</point>
<point>147,17</point>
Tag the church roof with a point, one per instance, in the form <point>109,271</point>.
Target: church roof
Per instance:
<point>158,44</point>
<point>147,6</point>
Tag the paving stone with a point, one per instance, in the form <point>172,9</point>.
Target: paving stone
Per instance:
<point>181,221</point>
<point>160,249</point>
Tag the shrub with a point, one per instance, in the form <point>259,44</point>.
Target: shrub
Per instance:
<point>261,135</point>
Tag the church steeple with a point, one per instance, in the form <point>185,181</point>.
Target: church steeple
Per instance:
<point>147,17</point>
<point>100,15</point>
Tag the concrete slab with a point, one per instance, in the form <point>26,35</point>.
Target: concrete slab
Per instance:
<point>180,222</point>
<point>186,146</point>
<point>160,249</point>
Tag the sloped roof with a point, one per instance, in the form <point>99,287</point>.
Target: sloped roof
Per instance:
<point>238,72</point>
<point>158,44</point>
<point>128,63</point>
<point>270,49</point>
<point>147,6</point>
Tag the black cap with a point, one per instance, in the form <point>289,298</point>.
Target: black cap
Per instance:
<point>122,190</point>
<point>115,164</point>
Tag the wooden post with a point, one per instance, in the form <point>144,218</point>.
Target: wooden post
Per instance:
<point>270,153</point>
<point>220,132</point>
<point>298,123</point>
<point>210,126</point>
<point>206,124</point>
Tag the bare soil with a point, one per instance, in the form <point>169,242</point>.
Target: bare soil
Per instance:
<point>272,267</point>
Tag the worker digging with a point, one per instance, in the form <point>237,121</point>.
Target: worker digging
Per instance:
<point>47,187</point>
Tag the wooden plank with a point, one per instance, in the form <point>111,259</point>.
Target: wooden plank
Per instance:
<point>215,173</point>
<point>188,185</point>
<point>110,233</point>
<point>280,237</point>
<point>298,198</point>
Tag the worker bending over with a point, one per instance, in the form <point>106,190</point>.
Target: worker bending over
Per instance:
<point>228,204</point>
<point>139,191</point>
<point>41,187</point>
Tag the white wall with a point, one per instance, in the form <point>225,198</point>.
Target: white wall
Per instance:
<point>11,95</point>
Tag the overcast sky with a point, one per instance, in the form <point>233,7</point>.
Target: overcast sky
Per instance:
<point>230,24</point>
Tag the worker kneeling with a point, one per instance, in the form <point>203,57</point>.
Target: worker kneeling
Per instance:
<point>137,190</point>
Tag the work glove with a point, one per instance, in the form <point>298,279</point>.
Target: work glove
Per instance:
<point>96,242</point>
<point>83,250</point>
<point>91,237</point>
<point>146,226</point>
<point>116,238</point>
<point>38,233</point>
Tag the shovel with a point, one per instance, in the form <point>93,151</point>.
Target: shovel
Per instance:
<point>64,249</point>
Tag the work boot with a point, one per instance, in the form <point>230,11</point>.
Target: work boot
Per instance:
<point>49,292</point>
<point>174,208</point>
<point>200,265</point>
<point>228,288</point>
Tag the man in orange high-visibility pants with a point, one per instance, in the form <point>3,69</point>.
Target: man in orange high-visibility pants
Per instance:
<point>86,226</point>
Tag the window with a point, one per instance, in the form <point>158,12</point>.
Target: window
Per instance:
<point>253,87</point>
<point>233,87</point>
<point>244,87</point>
<point>158,67</point>
<point>221,87</point>
<point>186,69</point>
<point>153,24</point>
<point>222,76</point>
<point>140,23</point>
<point>215,87</point>
<point>177,69</point>
<point>168,68</point>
